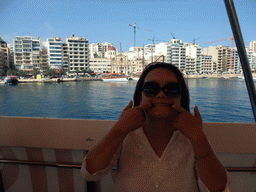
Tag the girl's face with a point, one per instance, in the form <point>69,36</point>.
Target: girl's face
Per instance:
<point>161,102</point>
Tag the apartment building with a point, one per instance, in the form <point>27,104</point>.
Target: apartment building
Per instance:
<point>137,66</point>
<point>100,65</point>
<point>98,50</point>
<point>26,53</point>
<point>140,53</point>
<point>4,55</point>
<point>207,65</point>
<point>220,56</point>
<point>225,59</point>
<point>251,56</point>
<point>11,56</point>
<point>253,46</point>
<point>78,53</point>
<point>174,52</point>
<point>54,49</point>
<point>65,57</point>
<point>44,60</point>
<point>193,58</point>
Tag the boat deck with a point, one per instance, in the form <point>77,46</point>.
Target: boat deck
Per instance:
<point>44,154</point>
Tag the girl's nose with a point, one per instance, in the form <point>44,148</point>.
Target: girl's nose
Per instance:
<point>161,94</point>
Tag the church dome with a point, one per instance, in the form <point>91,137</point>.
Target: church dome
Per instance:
<point>112,48</point>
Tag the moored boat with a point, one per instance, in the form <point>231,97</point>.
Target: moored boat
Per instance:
<point>115,79</point>
<point>11,80</point>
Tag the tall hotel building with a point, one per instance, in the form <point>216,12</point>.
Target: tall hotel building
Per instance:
<point>76,48</point>
<point>26,53</point>
<point>53,47</point>
<point>174,53</point>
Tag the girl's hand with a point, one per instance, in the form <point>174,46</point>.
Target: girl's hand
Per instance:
<point>132,118</point>
<point>188,124</point>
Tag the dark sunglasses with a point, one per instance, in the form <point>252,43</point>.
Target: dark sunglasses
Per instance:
<point>151,89</point>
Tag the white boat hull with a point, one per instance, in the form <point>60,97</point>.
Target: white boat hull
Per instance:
<point>115,79</point>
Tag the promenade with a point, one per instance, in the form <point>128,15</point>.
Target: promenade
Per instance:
<point>213,76</point>
<point>58,80</point>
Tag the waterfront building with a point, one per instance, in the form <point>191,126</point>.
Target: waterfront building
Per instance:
<point>177,53</point>
<point>53,47</point>
<point>224,60</point>
<point>253,46</point>
<point>121,64</point>
<point>251,59</point>
<point>174,52</point>
<point>65,57</point>
<point>138,53</point>
<point>137,66</point>
<point>190,68</point>
<point>111,52</point>
<point>78,53</point>
<point>236,64</point>
<point>193,58</point>
<point>220,56</point>
<point>162,49</point>
<point>207,65</point>
<point>44,60</point>
<point>98,50</point>
<point>26,53</point>
<point>100,65</point>
<point>11,55</point>
<point>4,55</point>
<point>149,52</point>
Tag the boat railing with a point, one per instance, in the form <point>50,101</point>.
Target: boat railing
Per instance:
<point>46,153</point>
<point>237,33</point>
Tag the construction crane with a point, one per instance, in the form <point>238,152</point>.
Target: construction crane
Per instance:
<point>153,41</point>
<point>172,35</point>
<point>194,40</point>
<point>134,26</point>
<point>232,44</point>
<point>121,60</point>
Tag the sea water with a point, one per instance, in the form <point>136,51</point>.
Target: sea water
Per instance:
<point>218,100</point>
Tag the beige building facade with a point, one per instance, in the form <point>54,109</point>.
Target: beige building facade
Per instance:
<point>207,65</point>
<point>100,65</point>
<point>78,53</point>
<point>26,53</point>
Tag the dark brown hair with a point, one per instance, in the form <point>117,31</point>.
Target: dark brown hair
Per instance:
<point>184,90</point>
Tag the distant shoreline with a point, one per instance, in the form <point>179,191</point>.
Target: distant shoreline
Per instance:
<point>59,80</point>
<point>212,76</point>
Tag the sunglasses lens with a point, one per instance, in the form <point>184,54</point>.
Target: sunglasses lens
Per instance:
<point>151,89</point>
<point>172,89</point>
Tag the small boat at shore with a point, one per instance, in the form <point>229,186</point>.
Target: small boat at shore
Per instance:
<point>11,80</point>
<point>135,78</point>
<point>115,79</point>
<point>51,80</point>
<point>68,79</point>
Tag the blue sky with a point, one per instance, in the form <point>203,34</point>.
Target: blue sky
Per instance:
<point>107,21</point>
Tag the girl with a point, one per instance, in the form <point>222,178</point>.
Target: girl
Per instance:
<point>158,145</point>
